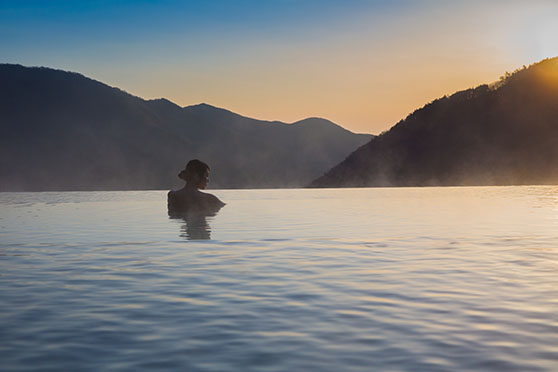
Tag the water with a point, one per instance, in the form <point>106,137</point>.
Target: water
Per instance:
<point>431,279</point>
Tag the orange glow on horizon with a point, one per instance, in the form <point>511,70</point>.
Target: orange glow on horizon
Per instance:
<point>366,75</point>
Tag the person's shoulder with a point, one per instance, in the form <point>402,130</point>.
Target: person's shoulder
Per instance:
<point>213,200</point>
<point>177,200</point>
<point>216,199</point>
<point>172,195</point>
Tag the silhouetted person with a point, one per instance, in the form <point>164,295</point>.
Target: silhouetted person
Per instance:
<point>190,199</point>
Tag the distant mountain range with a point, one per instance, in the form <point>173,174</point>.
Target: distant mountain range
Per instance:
<point>63,131</point>
<point>505,133</point>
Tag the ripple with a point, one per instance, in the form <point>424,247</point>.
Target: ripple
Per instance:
<point>289,281</point>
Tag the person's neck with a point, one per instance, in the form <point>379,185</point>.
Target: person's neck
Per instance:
<point>190,187</point>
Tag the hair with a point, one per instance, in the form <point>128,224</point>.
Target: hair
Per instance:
<point>195,169</point>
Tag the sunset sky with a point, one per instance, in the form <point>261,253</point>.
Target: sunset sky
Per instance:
<point>362,64</point>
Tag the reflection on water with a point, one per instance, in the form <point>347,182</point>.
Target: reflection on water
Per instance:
<point>425,279</point>
<point>196,226</point>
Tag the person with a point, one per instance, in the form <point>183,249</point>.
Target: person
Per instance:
<point>190,198</point>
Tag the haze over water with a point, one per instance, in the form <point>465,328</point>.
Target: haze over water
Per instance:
<point>433,279</point>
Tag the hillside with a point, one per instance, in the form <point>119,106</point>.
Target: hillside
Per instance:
<point>500,134</point>
<point>63,131</point>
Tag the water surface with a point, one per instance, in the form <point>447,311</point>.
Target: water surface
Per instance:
<point>432,279</point>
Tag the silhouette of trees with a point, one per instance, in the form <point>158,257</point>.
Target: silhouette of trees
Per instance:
<point>500,134</point>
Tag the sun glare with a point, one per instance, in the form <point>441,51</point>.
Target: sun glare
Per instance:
<point>549,75</point>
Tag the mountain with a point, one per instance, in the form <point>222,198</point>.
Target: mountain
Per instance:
<point>505,133</point>
<point>63,131</point>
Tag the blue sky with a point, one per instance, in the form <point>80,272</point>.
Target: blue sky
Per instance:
<point>362,64</point>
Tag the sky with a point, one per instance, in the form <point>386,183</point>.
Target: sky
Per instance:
<point>364,65</point>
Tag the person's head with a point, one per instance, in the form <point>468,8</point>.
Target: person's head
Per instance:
<point>195,174</point>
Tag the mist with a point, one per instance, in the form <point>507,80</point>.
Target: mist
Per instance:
<point>505,133</point>
<point>63,131</point>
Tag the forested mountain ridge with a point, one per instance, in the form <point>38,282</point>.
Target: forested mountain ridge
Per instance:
<point>505,133</point>
<point>63,131</point>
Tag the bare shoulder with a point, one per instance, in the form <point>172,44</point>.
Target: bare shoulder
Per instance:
<point>173,196</point>
<point>213,200</point>
<point>183,201</point>
<point>173,202</point>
